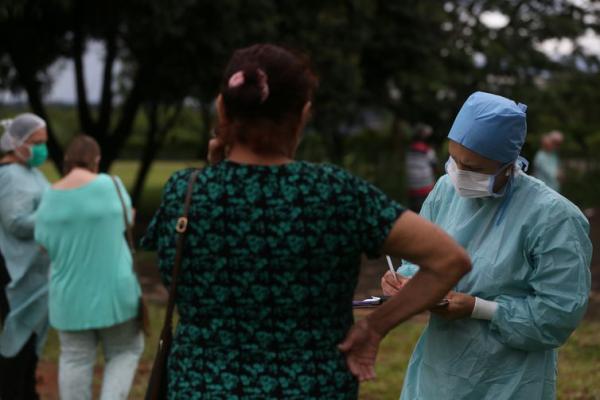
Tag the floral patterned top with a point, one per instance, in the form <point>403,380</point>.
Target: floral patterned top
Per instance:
<point>270,265</point>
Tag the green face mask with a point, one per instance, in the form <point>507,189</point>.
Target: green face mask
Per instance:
<point>39,154</point>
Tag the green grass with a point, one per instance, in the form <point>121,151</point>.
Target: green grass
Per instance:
<point>579,364</point>
<point>392,362</point>
<point>578,378</point>
<point>582,187</point>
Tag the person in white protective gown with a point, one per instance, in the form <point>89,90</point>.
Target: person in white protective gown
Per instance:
<point>528,290</point>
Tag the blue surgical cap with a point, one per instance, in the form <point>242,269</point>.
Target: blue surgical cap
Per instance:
<point>491,126</point>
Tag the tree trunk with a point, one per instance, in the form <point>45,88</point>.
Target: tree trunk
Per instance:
<point>83,108</point>
<point>155,138</point>
<point>106,106</point>
<point>148,155</point>
<point>113,144</point>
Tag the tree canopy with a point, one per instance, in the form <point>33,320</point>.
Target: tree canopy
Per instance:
<point>414,60</point>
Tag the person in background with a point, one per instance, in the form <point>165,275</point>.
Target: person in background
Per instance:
<point>273,251</point>
<point>421,166</point>
<point>497,338</point>
<point>94,293</point>
<point>25,277</point>
<point>546,164</point>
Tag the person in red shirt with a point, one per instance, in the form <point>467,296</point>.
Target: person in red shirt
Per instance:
<point>421,166</point>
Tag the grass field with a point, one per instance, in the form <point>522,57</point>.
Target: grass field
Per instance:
<point>579,361</point>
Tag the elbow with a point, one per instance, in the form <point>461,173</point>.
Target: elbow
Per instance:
<point>464,262</point>
<point>458,263</point>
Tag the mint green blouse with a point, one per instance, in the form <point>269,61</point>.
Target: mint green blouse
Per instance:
<point>92,283</point>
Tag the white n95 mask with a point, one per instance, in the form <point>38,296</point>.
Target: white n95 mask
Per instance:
<point>472,184</point>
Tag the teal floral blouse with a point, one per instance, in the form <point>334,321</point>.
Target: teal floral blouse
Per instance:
<point>270,266</point>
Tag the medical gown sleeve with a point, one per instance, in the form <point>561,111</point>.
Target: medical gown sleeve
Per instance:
<point>17,212</point>
<point>560,284</point>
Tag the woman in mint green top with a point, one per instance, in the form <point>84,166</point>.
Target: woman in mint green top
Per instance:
<point>94,294</point>
<point>92,283</point>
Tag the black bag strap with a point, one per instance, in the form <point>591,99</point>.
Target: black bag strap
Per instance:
<point>181,228</point>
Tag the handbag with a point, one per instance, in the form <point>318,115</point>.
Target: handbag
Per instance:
<point>142,315</point>
<point>157,384</point>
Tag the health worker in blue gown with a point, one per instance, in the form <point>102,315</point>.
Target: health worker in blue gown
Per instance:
<point>25,268</point>
<point>528,289</point>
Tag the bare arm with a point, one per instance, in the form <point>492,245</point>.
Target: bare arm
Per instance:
<point>442,263</point>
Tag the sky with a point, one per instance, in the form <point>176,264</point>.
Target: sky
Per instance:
<point>64,86</point>
<point>63,89</point>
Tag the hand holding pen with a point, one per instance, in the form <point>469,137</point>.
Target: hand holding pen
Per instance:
<point>391,283</point>
<point>391,266</point>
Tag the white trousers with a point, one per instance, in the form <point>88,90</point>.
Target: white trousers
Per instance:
<point>122,346</point>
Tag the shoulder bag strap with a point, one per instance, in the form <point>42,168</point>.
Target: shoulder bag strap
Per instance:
<point>128,227</point>
<point>181,228</point>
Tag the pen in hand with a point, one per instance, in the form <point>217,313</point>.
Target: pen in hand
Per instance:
<point>391,267</point>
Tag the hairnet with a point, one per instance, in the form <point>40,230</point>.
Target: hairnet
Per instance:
<point>491,126</point>
<point>18,130</point>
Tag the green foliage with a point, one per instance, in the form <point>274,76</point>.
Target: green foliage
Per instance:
<point>379,159</point>
<point>418,59</point>
<point>402,62</point>
<point>582,185</point>
<point>578,373</point>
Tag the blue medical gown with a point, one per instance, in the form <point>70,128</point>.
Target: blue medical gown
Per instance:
<point>21,189</point>
<point>534,262</point>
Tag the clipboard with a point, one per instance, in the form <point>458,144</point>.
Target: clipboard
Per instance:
<point>375,301</point>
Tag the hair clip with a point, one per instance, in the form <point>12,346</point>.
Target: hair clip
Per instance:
<point>236,80</point>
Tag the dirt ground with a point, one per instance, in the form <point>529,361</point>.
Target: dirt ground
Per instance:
<point>368,285</point>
